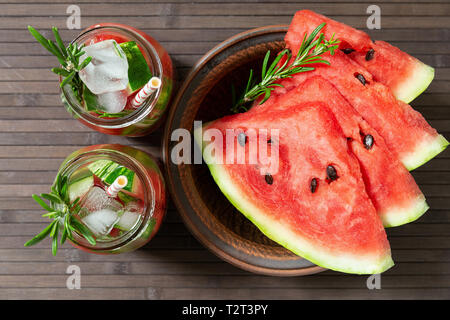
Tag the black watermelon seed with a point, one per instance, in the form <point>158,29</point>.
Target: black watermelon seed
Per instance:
<point>269,178</point>
<point>361,78</point>
<point>368,141</point>
<point>269,141</point>
<point>242,138</point>
<point>331,173</point>
<point>313,185</point>
<point>347,50</point>
<point>370,54</point>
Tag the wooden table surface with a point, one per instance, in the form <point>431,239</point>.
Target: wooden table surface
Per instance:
<point>36,134</point>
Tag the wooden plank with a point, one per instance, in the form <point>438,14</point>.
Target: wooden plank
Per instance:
<point>226,1</point>
<point>218,35</point>
<point>171,241</point>
<point>196,22</point>
<point>221,9</point>
<point>223,281</point>
<point>65,294</point>
<point>199,47</point>
<point>230,294</point>
<point>60,152</point>
<point>32,100</point>
<point>42,171</point>
<point>50,87</point>
<point>184,268</point>
<point>74,255</point>
<point>180,60</point>
<point>178,229</point>
<point>37,74</point>
<point>42,126</point>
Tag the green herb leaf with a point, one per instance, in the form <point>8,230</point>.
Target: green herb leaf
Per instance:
<point>311,48</point>
<point>41,202</point>
<point>60,72</point>
<point>59,41</point>
<point>68,57</point>
<point>83,230</point>
<point>51,197</point>
<point>61,211</point>
<point>41,235</point>
<point>68,79</point>
<point>264,66</point>
<point>85,63</point>
<point>54,235</point>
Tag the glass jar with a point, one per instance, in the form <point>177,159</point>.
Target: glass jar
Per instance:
<point>148,189</point>
<point>147,117</point>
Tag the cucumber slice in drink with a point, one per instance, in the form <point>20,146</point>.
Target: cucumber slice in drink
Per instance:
<point>78,188</point>
<point>108,171</point>
<point>127,221</point>
<point>138,71</point>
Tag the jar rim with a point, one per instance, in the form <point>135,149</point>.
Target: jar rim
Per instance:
<point>140,113</point>
<point>70,166</point>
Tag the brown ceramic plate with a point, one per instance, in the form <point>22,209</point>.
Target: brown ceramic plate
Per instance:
<point>212,219</point>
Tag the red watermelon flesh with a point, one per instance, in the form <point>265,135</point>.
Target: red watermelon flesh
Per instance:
<point>392,189</point>
<point>405,75</point>
<point>336,226</point>
<point>406,133</point>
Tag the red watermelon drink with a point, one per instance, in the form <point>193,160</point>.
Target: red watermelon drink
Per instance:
<point>106,199</point>
<point>107,75</point>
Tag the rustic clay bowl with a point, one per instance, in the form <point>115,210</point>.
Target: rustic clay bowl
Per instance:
<point>206,95</point>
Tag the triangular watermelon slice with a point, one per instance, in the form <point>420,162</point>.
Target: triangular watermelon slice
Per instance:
<point>406,133</point>
<point>314,203</point>
<point>392,189</point>
<point>405,75</point>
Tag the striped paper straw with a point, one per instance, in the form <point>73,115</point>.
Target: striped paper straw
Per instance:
<point>150,87</point>
<point>116,186</point>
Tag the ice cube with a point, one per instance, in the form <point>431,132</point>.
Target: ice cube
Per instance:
<point>129,218</point>
<point>108,70</point>
<point>95,199</point>
<point>101,222</point>
<point>112,102</point>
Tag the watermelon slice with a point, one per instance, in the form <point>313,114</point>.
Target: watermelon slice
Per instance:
<point>405,75</point>
<point>404,130</point>
<point>320,213</point>
<point>392,189</point>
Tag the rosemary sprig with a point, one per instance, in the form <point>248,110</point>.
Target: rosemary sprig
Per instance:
<point>311,49</point>
<point>103,114</point>
<point>68,57</point>
<point>61,211</point>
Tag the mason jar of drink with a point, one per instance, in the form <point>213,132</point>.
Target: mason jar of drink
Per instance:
<point>106,199</point>
<point>114,78</point>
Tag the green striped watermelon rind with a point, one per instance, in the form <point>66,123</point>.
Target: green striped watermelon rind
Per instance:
<point>415,84</point>
<point>424,152</point>
<point>400,215</point>
<point>285,236</point>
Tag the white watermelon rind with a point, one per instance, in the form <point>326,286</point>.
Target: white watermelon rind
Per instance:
<point>273,229</point>
<point>424,152</point>
<point>402,215</point>
<point>416,83</point>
